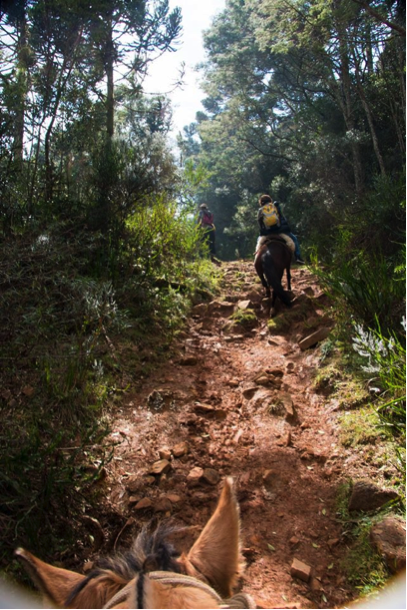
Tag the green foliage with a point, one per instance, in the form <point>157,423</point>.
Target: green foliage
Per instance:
<point>243,230</point>
<point>62,313</point>
<point>365,568</point>
<point>381,221</point>
<point>193,180</point>
<point>364,287</point>
<point>386,359</point>
<point>166,267</point>
<point>295,107</point>
<point>51,395</point>
<point>60,148</point>
<point>245,318</point>
<point>163,241</point>
<point>360,427</point>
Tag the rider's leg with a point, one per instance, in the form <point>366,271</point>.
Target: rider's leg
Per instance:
<point>297,252</point>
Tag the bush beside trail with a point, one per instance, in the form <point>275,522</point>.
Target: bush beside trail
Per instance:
<point>75,333</point>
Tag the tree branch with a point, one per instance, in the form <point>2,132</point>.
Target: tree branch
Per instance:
<point>265,154</point>
<point>381,18</point>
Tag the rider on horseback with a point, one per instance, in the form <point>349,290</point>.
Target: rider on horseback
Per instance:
<point>272,222</point>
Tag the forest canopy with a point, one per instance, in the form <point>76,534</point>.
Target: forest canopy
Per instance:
<point>306,101</point>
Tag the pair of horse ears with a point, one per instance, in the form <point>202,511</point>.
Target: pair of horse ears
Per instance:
<point>215,556</point>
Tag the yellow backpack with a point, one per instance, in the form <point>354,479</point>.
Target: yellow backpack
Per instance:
<point>270,215</point>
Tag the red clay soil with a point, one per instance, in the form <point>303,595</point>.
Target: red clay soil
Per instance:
<point>243,401</point>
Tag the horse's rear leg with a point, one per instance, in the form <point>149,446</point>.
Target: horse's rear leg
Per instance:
<point>273,310</point>
<point>259,270</point>
<point>288,278</point>
<point>265,285</point>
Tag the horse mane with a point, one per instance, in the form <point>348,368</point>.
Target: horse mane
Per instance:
<point>150,551</point>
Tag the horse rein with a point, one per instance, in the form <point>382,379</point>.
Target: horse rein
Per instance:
<point>172,578</point>
<point>140,590</point>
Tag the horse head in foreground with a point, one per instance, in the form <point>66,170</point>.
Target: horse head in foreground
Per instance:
<point>152,574</point>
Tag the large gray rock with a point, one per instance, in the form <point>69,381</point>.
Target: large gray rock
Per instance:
<point>366,496</point>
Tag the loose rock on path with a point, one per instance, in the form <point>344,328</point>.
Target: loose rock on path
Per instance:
<point>240,401</point>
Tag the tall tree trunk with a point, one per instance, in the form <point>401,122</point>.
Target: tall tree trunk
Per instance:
<point>402,80</point>
<point>64,76</point>
<point>369,117</point>
<point>400,129</point>
<point>109,65</point>
<point>18,143</point>
<point>373,134</point>
<point>392,66</point>
<point>62,82</point>
<point>345,98</point>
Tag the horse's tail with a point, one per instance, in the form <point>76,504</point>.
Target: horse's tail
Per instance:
<point>274,277</point>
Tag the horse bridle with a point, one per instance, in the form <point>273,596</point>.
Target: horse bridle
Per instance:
<point>241,600</point>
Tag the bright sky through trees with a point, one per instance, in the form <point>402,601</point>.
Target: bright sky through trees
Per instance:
<point>164,72</point>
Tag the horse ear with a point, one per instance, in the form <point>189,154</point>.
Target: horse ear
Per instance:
<point>62,588</point>
<point>55,584</point>
<point>216,554</point>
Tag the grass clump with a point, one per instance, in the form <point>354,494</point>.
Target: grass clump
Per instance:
<point>278,325</point>
<point>327,378</point>
<point>361,427</point>
<point>364,567</point>
<point>246,318</point>
<point>352,393</point>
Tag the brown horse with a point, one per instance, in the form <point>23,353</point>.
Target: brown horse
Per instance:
<point>272,258</point>
<point>152,574</point>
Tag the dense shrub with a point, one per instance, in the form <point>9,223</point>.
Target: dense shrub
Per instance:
<point>74,334</point>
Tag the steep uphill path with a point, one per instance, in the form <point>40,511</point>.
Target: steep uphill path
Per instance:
<point>240,401</point>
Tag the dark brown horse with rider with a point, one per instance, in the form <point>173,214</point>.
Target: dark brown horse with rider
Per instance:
<point>273,257</point>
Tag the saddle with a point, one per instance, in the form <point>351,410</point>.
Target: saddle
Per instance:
<point>281,238</point>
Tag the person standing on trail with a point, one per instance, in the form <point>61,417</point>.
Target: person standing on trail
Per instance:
<point>206,222</point>
<point>272,222</point>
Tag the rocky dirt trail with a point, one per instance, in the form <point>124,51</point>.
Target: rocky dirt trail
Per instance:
<point>241,402</point>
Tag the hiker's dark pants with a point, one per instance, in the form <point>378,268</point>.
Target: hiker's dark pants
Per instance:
<point>210,239</point>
